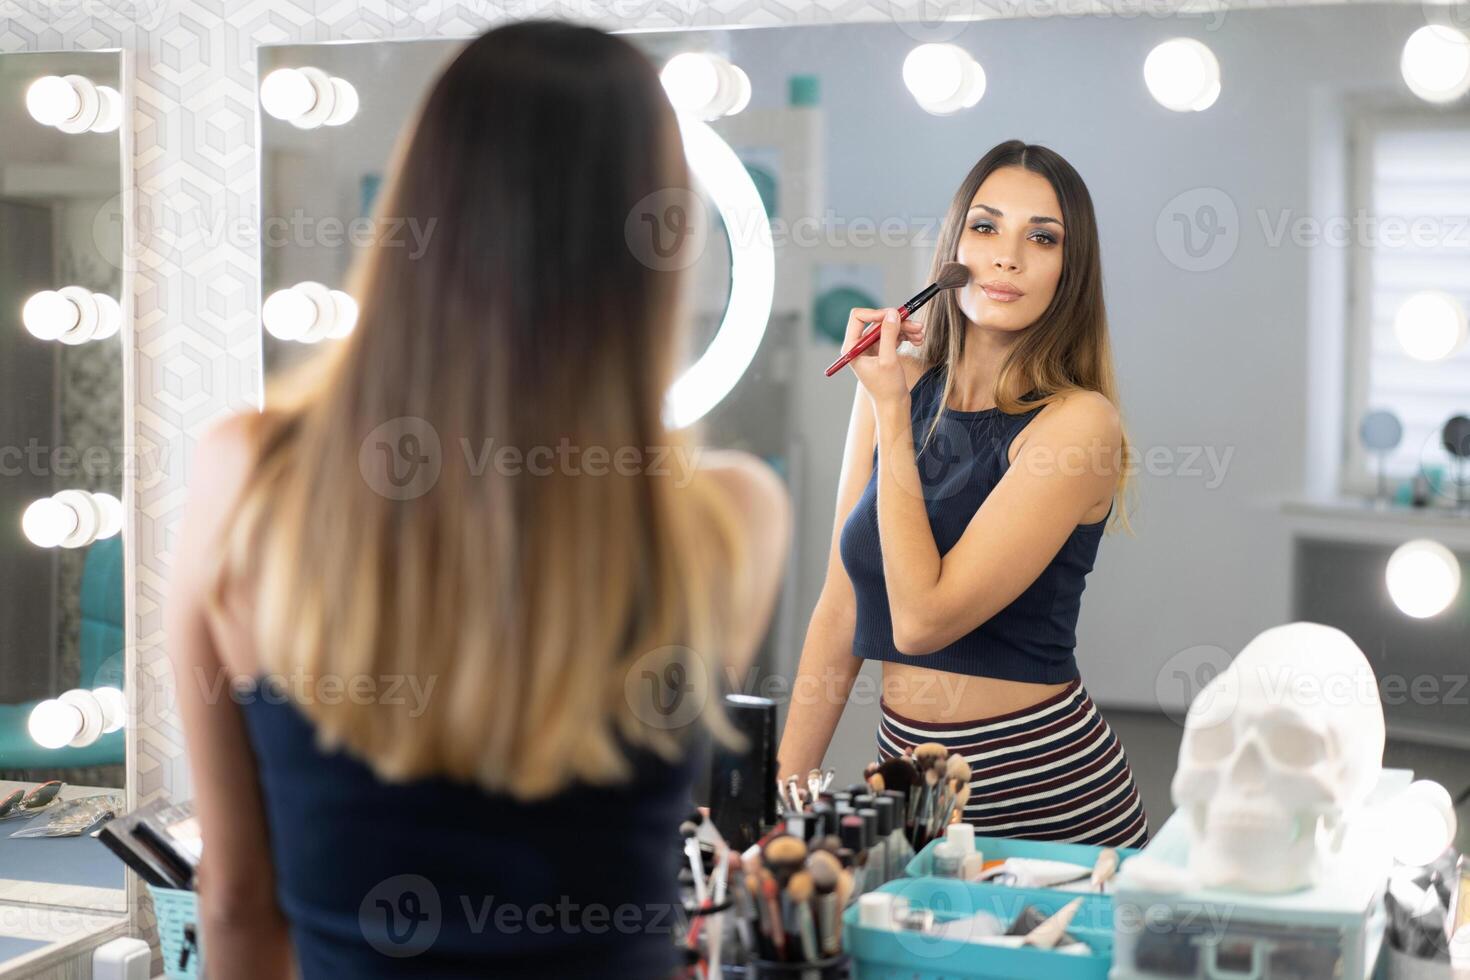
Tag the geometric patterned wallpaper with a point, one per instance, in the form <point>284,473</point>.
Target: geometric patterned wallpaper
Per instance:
<point>194,351</point>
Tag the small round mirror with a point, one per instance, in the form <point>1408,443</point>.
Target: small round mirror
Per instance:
<point>1381,431</point>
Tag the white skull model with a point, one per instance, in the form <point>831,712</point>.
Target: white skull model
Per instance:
<point>1280,745</point>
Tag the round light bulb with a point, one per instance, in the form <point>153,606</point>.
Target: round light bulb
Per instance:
<point>1182,74</point>
<point>1430,325</point>
<point>692,81</point>
<point>54,723</point>
<point>109,113</point>
<point>1423,578</point>
<point>48,314</point>
<point>346,314</point>
<point>943,78</point>
<point>109,316</point>
<point>1436,63</point>
<point>1424,823</point>
<point>114,708</point>
<point>344,103</point>
<point>741,96</point>
<point>52,100</point>
<point>288,313</point>
<point>933,72</point>
<point>287,94</point>
<point>48,522</point>
<point>112,514</point>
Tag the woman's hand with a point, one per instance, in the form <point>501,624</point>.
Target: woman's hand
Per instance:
<point>878,368</point>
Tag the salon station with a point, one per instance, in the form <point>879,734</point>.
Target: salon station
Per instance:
<point>1281,641</point>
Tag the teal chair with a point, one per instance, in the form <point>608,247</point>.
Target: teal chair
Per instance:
<point>101,649</point>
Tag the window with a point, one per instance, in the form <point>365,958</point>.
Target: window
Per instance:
<point>1411,232</point>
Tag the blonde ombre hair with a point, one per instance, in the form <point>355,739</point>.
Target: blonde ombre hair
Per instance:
<point>1067,349</point>
<point>531,598</point>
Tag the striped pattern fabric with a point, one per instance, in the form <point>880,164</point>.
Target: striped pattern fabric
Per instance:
<point>1053,771</point>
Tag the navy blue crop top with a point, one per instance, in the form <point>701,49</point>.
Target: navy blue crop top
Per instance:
<point>1032,639</point>
<point>435,878</point>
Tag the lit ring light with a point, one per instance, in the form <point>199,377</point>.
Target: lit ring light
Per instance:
<point>752,277</point>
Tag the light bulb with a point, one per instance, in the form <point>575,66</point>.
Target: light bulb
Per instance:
<point>287,94</point>
<point>344,103</point>
<point>692,80</point>
<point>1430,325</point>
<point>1182,74</point>
<point>52,100</point>
<point>288,314</point>
<point>943,78</point>
<point>48,522</point>
<point>54,723</point>
<point>72,314</point>
<point>309,312</point>
<point>1424,823</point>
<point>1423,578</point>
<point>114,708</point>
<point>346,314</point>
<point>109,316</point>
<point>109,112</point>
<point>705,85</point>
<point>1436,63</point>
<point>933,72</point>
<point>48,314</point>
<point>89,517</point>
<point>112,514</point>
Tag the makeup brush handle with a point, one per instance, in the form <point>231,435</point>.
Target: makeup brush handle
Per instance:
<point>870,336</point>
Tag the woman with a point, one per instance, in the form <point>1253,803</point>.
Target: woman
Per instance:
<point>977,479</point>
<point>441,756</point>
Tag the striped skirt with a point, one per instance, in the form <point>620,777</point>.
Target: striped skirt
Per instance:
<point>1053,771</point>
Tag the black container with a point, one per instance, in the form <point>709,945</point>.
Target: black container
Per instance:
<point>833,968</point>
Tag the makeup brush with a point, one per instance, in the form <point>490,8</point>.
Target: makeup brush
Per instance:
<point>843,896</point>
<point>784,855</point>
<point>799,892</point>
<point>771,898</point>
<point>952,275</point>
<point>898,773</point>
<point>825,871</point>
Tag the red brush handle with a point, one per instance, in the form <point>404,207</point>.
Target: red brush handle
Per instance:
<point>868,339</point>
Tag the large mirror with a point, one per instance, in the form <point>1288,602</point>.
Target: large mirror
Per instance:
<point>1255,321</point>
<point>63,465</point>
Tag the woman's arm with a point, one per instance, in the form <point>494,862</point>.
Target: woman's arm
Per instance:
<point>825,675</point>
<point>762,506</point>
<point>1065,467</point>
<point>244,930</point>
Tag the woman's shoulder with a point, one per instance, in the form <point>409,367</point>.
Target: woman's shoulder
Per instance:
<point>745,480</point>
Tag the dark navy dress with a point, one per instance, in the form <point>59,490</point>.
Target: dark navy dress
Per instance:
<point>435,878</point>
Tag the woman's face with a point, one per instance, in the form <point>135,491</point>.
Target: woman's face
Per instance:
<point>1012,243</point>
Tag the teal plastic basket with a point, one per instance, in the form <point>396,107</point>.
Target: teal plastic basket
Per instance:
<point>884,954</point>
<point>1006,847</point>
<point>177,912</point>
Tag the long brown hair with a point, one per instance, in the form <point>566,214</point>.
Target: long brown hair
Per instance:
<point>1067,348</point>
<point>527,593</point>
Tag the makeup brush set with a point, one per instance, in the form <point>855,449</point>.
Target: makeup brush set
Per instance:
<point>934,785</point>
<point>780,901</point>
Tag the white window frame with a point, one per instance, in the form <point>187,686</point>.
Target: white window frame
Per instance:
<point>1368,119</point>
